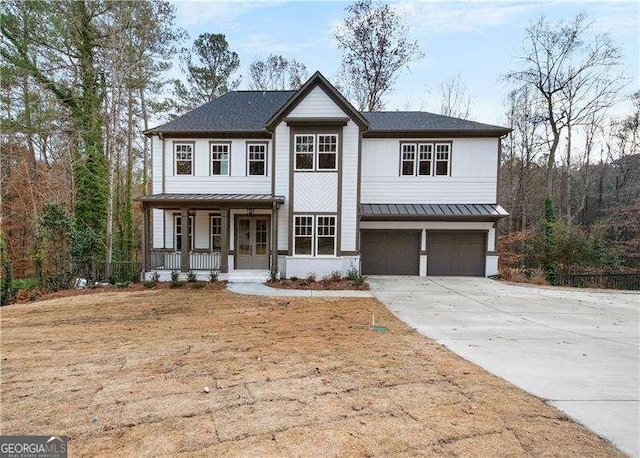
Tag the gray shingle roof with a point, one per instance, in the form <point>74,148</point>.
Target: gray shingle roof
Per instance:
<point>432,210</point>
<point>388,121</point>
<point>232,112</point>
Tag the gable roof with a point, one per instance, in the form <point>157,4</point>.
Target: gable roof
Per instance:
<point>317,79</point>
<point>421,121</point>
<point>236,111</point>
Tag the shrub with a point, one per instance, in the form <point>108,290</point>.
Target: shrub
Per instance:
<point>155,277</point>
<point>149,283</point>
<point>294,278</point>
<point>5,274</point>
<point>335,275</point>
<point>123,284</point>
<point>18,284</point>
<point>356,279</point>
<point>273,275</point>
<point>175,280</point>
<point>213,277</point>
<point>311,278</point>
<point>192,277</point>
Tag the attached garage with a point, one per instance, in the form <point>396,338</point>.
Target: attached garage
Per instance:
<point>456,253</point>
<point>394,252</point>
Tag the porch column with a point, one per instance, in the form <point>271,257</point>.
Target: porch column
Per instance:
<point>147,241</point>
<point>184,237</point>
<point>274,238</point>
<point>224,242</point>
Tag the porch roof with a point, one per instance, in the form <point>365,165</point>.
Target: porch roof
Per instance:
<point>432,211</point>
<point>201,200</point>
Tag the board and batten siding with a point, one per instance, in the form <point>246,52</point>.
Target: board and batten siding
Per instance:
<point>317,104</point>
<point>281,136</point>
<point>474,166</point>
<point>349,210</point>
<point>156,188</point>
<point>202,182</point>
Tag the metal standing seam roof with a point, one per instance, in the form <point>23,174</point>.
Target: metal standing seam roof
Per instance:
<point>433,210</point>
<point>204,198</point>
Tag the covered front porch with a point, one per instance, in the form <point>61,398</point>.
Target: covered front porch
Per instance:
<point>210,233</point>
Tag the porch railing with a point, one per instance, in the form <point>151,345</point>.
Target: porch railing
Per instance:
<point>163,259</point>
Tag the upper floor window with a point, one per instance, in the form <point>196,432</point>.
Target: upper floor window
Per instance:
<point>408,165</point>
<point>257,159</point>
<point>327,152</point>
<point>443,157</point>
<point>183,158</point>
<point>219,159</point>
<point>425,159</point>
<point>316,152</point>
<point>305,152</point>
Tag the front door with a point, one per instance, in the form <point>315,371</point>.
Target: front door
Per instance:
<point>252,242</point>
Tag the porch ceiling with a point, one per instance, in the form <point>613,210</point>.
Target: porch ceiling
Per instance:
<point>210,200</point>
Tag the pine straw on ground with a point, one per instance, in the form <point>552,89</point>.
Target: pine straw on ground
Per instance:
<point>123,373</point>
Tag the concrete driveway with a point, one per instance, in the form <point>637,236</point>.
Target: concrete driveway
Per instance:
<point>578,350</point>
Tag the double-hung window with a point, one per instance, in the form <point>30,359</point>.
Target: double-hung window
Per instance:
<point>305,152</point>
<point>178,232</point>
<point>314,235</point>
<point>183,158</point>
<point>216,233</point>
<point>443,156</point>
<point>316,152</point>
<point>327,152</point>
<point>425,159</point>
<point>257,159</point>
<point>408,160</point>
<point>303,235</point>
<point>219,159</point>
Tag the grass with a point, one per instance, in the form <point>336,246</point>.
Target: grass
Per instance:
<point>125,371</point>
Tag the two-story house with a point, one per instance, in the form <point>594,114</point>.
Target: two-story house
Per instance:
<point>300,181</point>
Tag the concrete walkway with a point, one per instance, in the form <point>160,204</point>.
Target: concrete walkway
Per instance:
<point>260,289</point>
<point>578,350</point>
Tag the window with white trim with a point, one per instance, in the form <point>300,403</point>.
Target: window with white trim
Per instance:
<point>408,160</point>
<point>216,233</point>
<point>443,156</point>
<point>304,152</point>
<point>257,159</point>
<point>327,152</point>
<point>220,159</point>
<point>314,235</point>
<point>177,233</point>
<point>303,235</point>
<point>326,236</point>
<point>425,158</point>
<point>183,158</point>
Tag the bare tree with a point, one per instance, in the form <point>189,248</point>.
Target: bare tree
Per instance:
<point>277,73</point>
<point>455,100</point>
<point>555,59</point>
<point>375,48</point>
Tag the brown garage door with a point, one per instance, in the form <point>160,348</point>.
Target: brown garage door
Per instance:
<point>390,252</point>
<point>456,253</point>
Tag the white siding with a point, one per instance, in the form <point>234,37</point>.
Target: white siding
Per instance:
<point>315,192</point>
<point>202,182</point>
<point>156,164</point>
<point>351,133</point>
<point>282,182</point>
<point>315,105</point>
<point>473,174</point>
<point>157,217</point>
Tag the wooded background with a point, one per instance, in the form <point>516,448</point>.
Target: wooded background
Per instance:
<point>82,80</point>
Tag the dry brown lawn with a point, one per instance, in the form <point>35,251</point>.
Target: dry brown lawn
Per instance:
<point>122,373</point>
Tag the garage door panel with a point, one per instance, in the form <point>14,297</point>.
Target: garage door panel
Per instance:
<point>456,253</point>
<point>390,252</point>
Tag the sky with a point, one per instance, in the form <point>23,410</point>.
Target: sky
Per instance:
<point>478,40</point>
